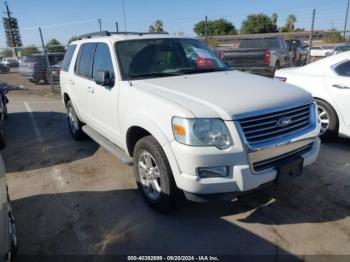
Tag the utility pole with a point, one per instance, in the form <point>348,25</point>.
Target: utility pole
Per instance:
<point>99,21</point>
<point>47,60</point>
<point>117,27</point>
<point>206,30</point>
<point>311,34</point>
<point>346,17</point>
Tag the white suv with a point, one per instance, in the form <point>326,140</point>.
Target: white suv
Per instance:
<point>173,109</point>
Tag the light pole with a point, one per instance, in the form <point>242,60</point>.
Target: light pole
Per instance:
<point>346,18</point>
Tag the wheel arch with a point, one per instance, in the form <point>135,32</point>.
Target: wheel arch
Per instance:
<point>142,126</point>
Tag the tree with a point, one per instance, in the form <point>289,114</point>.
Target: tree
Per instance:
<point>7,53</point>
<point>54,46</point>
<point>29,50</point>
<point>156,27</point>
<point>274,18</point>
<point>73,38</point>
<point>290,24</point>
<point>333,37</point>
<point>215,27</point>
<point>257,24</point>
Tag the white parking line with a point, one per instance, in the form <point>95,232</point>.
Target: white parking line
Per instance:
<point>38,134</point>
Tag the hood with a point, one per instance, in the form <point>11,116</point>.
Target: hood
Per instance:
<point>225,95</point>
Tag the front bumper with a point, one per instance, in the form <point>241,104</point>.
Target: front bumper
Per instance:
<point>186,160</point>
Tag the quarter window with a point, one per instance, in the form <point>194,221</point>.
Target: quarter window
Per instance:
<point>343,69</point>
<point>68,57</point>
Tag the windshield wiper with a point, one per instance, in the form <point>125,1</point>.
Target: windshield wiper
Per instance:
<point>156,74</point>
<point>204,70</point>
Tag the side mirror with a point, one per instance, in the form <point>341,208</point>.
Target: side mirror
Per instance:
<point>104,78</point>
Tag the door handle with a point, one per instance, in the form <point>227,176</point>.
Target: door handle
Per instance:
<point>341,86</point>
<point>71,81</point>
<point>91,90</point>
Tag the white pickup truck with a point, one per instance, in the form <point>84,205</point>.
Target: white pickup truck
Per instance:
<point>172,109</point>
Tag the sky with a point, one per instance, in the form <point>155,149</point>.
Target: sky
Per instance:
<point>65,18</point>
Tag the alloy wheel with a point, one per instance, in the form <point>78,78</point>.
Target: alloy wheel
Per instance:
<point>324,118</point>
<point>149,175</point>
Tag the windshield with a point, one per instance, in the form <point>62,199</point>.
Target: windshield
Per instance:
<point>149,58</point>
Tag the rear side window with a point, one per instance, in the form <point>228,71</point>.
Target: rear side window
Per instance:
<point>85,60</point>
<point>103,60</point>
<point>68,57</point>
<point>343,69</point>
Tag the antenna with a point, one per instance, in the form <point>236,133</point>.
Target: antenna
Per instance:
<point>124,16</point>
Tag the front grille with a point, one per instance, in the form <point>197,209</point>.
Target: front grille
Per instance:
<point>275,161</point>
<point>264,128</point>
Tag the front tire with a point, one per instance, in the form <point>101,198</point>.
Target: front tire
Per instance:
<point>12,231</point>
<point>328,118</point>
<point>74,124</point>
<point>153,175</point>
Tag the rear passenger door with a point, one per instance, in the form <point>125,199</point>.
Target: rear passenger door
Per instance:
<point>105,98</point>
<point>83,82</point>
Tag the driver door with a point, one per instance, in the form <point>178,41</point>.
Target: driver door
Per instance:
<point>104,99</point>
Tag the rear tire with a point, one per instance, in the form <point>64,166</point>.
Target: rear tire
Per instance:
<point>74,124</point>
<point>329,120</point>
<point>153,174</point>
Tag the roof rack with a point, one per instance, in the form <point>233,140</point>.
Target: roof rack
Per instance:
<point>107,33</point>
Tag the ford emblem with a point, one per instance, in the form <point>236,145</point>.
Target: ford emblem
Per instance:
<point>284,121</point>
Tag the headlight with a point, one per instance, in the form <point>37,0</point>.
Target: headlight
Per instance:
<point>202,132</point>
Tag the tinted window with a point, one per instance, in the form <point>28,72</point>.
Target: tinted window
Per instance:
<point>68,57</point>
<point>103,60</point>
<point>86,57</point>
<point>343,69</point>
<point>54,59</point>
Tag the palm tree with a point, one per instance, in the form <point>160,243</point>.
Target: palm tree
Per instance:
<point>291,20</point>
<point>156,27</point>
<point>274,18</point>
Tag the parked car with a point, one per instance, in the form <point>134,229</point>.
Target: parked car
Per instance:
<point>8,234</point>
<point>299,51</point>
<point>10,62</point>
<point>34,67</point>
<point>175,111</point>
<point>55,72</point>
<point>321,51</point>
<point>258,55</point>
<point>4,68</point>
<point>341,49</point>
<point>328,80</point>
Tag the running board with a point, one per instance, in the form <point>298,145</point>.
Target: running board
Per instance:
<point>108,145</point>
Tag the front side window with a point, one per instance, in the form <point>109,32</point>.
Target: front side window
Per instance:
<point>85,60</point>
<point>103,60</point>
<point>343,69</point>
<point>151,58</point>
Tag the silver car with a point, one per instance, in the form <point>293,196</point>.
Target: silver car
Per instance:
<point>8,236</point>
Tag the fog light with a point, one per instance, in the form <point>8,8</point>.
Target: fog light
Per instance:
<point>205,172</point>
